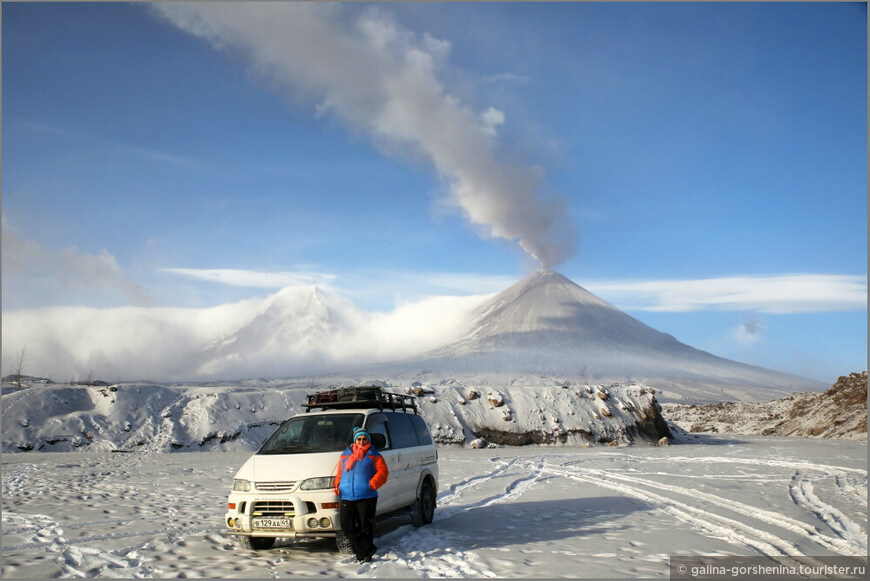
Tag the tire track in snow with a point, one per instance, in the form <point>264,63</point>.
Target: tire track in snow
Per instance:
<point>458,488</point>
<point>513,490</point>
<point>714,525</point>
<point>790,464</point>
<point>851,489</point>
<point>803,494</point>
<point>841,545</point>
<point>442,558</point>
<point>849,534</point>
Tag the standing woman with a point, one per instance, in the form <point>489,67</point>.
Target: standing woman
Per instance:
<point>361,471</point>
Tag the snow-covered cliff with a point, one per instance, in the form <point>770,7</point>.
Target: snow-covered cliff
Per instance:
<point>239,416</point>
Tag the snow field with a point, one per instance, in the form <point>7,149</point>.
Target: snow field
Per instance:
<point>541,511</point>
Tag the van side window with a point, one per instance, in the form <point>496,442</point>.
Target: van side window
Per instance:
<point>424,438</point>
<point>401,429</point>
<point>377,424</point>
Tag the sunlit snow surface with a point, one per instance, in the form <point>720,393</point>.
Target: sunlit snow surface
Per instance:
<point>506,512</point>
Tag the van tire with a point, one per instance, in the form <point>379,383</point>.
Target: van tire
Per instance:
<point>256,543</point>
<point>423,509</point>
<point>343,543</point>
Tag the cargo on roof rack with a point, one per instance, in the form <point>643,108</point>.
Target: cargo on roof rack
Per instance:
<point>368,396</point>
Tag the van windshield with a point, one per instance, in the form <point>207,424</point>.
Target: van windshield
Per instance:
<point>313,433</point>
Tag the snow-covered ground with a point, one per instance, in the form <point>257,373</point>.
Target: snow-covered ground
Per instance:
<point>542,511</point>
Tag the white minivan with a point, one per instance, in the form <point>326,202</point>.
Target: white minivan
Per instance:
<point>286,488</point>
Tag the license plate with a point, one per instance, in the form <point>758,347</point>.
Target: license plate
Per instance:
<point>273,523</point>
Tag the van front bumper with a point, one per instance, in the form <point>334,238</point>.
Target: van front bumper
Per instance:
<point>283,515</point>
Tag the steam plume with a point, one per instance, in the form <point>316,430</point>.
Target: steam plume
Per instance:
<point>381,79</point>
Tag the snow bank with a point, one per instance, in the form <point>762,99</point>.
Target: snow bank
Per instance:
<point>240,415</point>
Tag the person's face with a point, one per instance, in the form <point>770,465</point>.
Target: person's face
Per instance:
<point>362,440</point>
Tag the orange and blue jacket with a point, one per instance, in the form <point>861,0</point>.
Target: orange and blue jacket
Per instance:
<point>364,477</point>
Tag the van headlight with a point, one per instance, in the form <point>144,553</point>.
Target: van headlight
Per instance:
<point>240,485</point>
<point>318,483</point>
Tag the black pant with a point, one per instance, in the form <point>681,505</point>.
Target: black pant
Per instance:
<point>358,524</point>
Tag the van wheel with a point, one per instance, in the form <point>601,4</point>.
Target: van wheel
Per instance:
<point>423,509</point>
<point>256,543</point>
<point>343,543</point>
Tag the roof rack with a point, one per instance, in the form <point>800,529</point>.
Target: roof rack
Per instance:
<point>368,396</point>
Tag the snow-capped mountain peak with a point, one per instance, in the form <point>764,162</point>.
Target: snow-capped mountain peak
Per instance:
<point>547,326</point>
<point>548,303</point>
<point>288,325</point>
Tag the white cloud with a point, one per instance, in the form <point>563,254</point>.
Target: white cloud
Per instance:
<point>30,268</point>
<point>116,343</point>
<point>750,331</point>
<point>295,331</point>
<point>774,294</point>
<point>253,278</point>
<point>491,119</point>
<point>507,78</point>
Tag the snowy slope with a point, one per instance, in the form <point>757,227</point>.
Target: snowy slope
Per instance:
<point>840,412</point>
<point>240,415</point>
<point>546,325</point>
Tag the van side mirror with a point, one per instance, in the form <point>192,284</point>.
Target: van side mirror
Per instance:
<point>379,441</point>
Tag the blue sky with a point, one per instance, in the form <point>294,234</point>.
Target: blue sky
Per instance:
<point>148,150</point>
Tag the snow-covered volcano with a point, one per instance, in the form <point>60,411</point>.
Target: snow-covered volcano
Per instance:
<point>548,326</point>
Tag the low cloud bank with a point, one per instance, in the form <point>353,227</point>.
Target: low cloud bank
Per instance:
<point>296,331</point>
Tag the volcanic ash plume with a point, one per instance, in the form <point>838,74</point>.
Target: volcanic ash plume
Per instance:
<point>381,79</point>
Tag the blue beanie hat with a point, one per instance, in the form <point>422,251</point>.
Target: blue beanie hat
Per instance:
<point>357,432</point>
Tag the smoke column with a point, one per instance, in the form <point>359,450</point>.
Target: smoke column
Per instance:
<point>380,79</point>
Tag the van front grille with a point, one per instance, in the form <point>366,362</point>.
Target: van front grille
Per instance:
<point>273,508</point>
<point>275,486</point>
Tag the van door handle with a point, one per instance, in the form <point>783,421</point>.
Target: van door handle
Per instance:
<point>398,457</point>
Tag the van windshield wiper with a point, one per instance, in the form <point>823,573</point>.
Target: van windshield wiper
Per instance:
<point>287,449</point>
